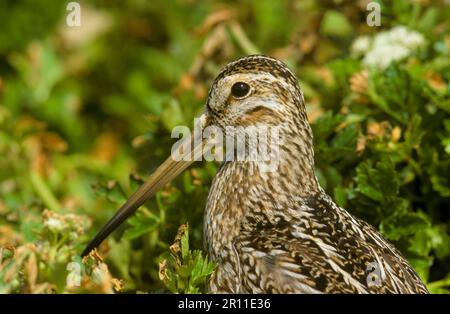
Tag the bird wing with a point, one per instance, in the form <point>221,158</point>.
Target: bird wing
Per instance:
<point>320,248</point>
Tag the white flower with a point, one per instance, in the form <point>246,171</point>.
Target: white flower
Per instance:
<point>54,224</point>
<point>385,47</point>
<point>383,56</point>
<point>407,38</point>
<point>414,40</point>
<point>361,45</point>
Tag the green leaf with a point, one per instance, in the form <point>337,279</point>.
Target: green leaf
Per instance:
<point>325,125</point>
<point>336,24</point>
<point>377,182</point>
<point>340,196</point>
<point>172,114</point>
<point>141,223</point>
<point>112,191</point>
<point>185,244</point>
<point>414,133</point>
<point>405,224</point>
<point>186,272</point>
<point>345,140</point>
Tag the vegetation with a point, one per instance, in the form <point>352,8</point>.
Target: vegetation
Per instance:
<point>86,112</point>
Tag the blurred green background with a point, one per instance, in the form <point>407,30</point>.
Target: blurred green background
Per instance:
<point>86,111</point>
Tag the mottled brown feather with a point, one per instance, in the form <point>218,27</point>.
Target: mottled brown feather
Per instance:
<point>279,232</point>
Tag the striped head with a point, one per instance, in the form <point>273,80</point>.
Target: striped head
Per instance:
<point>256,90</point>
<point>252,91</point>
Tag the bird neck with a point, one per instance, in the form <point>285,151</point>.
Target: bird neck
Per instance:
<point>242,189</point>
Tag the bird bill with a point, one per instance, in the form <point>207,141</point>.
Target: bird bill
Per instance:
<point>165,173</point>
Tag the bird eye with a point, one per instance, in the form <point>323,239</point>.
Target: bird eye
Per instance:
<point>240,89</point>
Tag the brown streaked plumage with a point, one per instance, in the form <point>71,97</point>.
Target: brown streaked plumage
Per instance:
<point>278,232</point>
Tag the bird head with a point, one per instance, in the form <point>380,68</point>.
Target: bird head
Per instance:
<point>254,90</point>
<point>251,91</point>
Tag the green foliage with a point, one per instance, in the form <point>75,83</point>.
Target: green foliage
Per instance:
<point>82,108</point>
<point>395,154</point>
<point>335,23</point>
<point>49,263</point>
<point>185,271</point>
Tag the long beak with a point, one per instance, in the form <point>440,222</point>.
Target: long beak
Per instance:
<point>165,173</point>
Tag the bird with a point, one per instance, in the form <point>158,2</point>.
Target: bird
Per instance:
<point>276,231</point>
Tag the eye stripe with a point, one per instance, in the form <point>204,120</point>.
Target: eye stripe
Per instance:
<point>259,109</point>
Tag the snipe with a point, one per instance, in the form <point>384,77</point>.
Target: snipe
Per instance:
<point>277,232</point>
